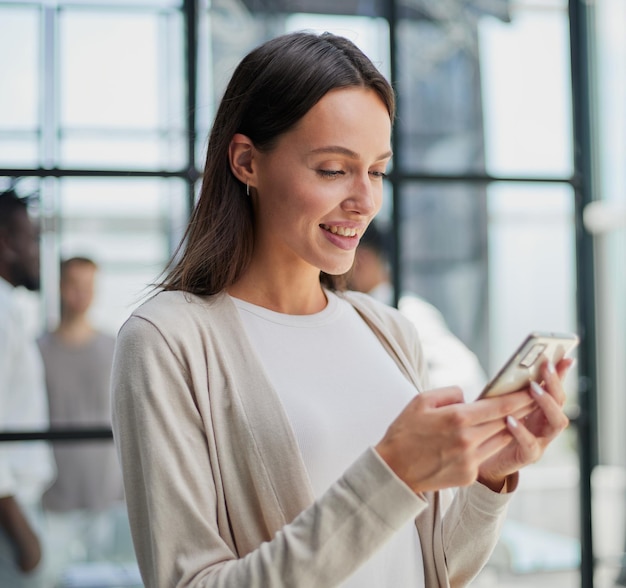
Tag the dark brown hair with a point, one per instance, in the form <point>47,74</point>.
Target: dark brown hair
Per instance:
<point>272,88</point>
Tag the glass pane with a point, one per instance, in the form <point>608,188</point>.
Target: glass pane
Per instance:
<point>148,151</point>
<point>532,274</point>
<point>122,90</point>
<point>87,546</point>
<point>439,122</point>
<point>371,35</point>
<point>121,72</point>
<point>19,151</point>
<point>539,544</point>
<point>526,93</point>
<point>19,39</point>
<point>108,78</point>
<point>130,227</point>
<point>484,92</point>
<point>111,71</point>
<point>443,252</point>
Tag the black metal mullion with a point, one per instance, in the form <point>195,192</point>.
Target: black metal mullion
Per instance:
<point>55,172</point>
<point>478,178</point>
<point>59,434</point>
<point>579,22</point>
<point>190,9</point>
<point>396,270</point>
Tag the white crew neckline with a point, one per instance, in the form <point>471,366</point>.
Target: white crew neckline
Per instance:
<point>328,314</point>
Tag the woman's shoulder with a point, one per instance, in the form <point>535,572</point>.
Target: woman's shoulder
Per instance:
<point>176,311</point>
<point>172,305</point>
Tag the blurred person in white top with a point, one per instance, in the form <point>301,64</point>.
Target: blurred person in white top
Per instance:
<point>26,468</point>
<point>450,361</point>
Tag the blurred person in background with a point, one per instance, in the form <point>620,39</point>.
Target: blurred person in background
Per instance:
<point>26,468</point>
<point>450,362</point>
<point>81,505</point>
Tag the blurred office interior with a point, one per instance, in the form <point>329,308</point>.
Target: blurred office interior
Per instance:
<point>507,200</point>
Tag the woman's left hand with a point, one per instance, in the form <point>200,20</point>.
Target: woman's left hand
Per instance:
<point>533,432</point>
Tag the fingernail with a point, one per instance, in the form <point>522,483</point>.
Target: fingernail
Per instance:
<point>550,367</point>
<point>536,388</point>
<point>511,421</point>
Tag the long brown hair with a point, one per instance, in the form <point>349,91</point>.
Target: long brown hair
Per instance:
<point>272,88</point>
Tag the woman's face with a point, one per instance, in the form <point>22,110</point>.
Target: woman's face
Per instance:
<point>318,189</point>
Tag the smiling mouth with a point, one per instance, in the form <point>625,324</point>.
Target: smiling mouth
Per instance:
<point>341,231</point>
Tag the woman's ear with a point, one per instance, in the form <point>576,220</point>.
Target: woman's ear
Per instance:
<point>240,153</point>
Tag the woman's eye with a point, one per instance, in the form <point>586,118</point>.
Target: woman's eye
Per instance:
<point>378,174</point>
<point>330,173</point>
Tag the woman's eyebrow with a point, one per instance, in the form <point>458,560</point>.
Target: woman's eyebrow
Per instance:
<point>347,152</point>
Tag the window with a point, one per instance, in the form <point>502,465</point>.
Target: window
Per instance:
<point>104,118</point>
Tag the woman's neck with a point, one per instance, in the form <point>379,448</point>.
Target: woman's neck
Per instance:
<point>287,294</point>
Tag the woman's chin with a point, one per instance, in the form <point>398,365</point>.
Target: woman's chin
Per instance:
<point>337,270</point>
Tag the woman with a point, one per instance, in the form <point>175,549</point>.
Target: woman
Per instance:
<point>269,425</point>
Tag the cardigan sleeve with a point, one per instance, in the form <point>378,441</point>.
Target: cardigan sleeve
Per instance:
<point>172,489</point>
<point>471,527</point>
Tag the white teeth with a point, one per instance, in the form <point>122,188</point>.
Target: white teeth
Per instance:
<point>342,231</point>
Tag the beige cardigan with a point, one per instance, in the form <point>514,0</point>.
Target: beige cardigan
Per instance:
<point>216,489</point>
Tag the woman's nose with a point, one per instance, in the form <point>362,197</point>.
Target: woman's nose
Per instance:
<point>364,197</point>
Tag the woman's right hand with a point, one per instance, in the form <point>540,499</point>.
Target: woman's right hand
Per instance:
<point>438,441</point>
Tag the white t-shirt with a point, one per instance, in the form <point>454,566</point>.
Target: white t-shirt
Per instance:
<point>340,390</point>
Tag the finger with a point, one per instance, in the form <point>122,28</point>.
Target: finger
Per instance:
<point>491,436</point>
<point>494,444</point>
<point>528,443</point>
<point>565,366</point>
<point>485,431</point>
<point>551,382</point>
<point>498,407</point>
<point>552,410</point>
<point>559,371</point>
<point>525,411</point>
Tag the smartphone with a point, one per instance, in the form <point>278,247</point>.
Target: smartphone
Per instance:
<point>523,366</point>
